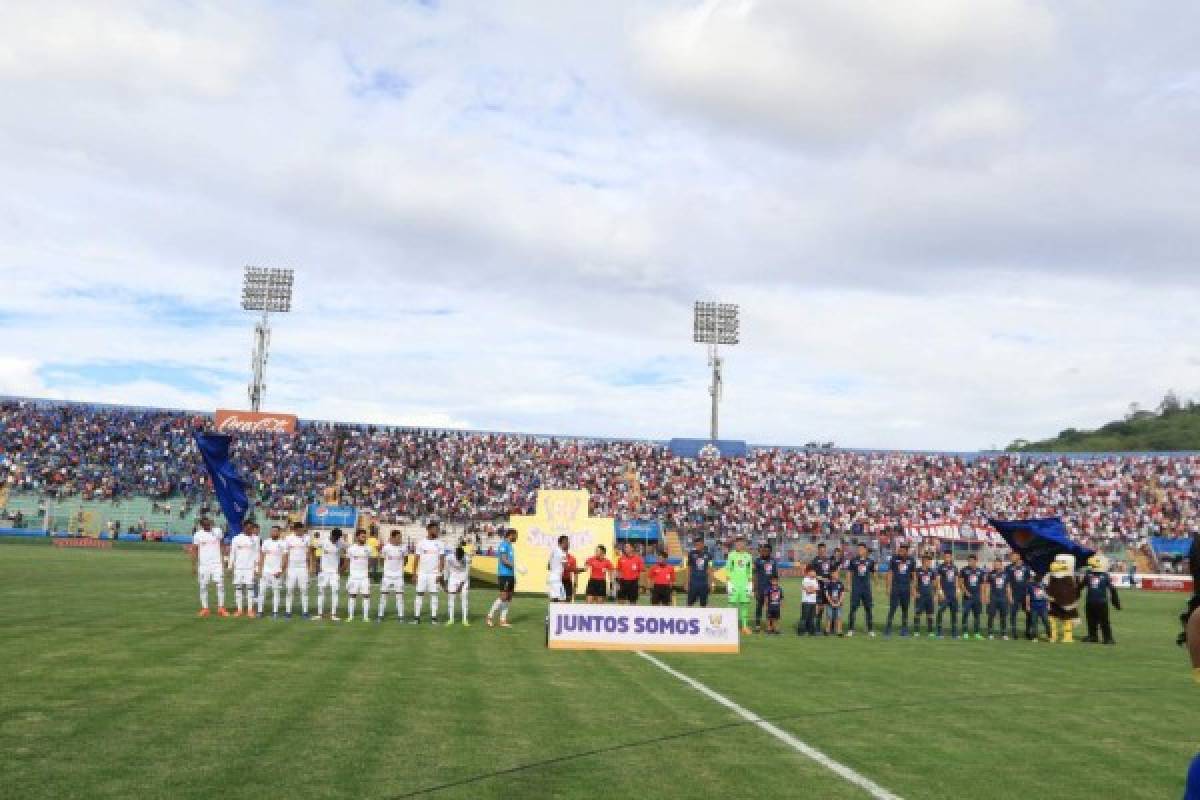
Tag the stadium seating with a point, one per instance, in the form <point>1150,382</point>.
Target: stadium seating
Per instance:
<point>95,465</point>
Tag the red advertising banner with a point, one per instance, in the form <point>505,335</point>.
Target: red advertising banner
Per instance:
<point>254,422</point>
<point>1166,583</point>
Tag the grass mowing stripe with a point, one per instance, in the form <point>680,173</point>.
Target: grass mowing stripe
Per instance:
<point>863,782</point>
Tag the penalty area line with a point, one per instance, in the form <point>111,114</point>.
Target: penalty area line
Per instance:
<point>862,781</point>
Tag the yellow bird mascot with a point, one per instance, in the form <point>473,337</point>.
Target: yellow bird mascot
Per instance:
<point>1064,599</point>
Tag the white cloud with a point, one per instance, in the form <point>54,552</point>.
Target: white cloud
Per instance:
<point>831,72</point>
<point>495,224</point>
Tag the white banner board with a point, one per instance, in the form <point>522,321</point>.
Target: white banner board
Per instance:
<point>667,629</point>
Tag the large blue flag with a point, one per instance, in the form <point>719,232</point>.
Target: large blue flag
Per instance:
<point>1040,540</point>
<point>229,486</point>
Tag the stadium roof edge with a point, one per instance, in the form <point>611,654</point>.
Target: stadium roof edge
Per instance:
<point>866,451</point>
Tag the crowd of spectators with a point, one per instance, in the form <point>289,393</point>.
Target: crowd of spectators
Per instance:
<point>406,474</point>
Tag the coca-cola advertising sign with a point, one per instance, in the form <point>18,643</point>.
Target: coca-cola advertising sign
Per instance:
<point>254,422</point>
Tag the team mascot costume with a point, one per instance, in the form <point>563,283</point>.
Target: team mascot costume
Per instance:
<point>1063,590</point>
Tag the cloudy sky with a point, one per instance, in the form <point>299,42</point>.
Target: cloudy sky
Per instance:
<point>948,224</point>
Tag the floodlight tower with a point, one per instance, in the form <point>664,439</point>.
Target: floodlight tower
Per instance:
<point>715,324</point>
<point>264,289</point>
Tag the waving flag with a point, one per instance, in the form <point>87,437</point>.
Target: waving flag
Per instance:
<point>1040,540</point>
<point>229,486</point>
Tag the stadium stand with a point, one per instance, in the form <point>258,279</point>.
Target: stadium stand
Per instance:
<point>91,466</point>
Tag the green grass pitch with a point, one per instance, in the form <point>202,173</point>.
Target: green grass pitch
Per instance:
<point>112,688</point>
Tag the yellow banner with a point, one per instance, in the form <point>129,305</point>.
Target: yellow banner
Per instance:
<point>559,512</point>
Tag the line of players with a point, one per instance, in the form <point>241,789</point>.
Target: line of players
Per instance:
<point>964,593</point>
<point>283,565</point>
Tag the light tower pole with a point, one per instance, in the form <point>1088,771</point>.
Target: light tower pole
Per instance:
<point>267,290</point>
<point>715,324</point>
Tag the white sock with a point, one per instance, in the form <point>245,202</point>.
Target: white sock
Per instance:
<point>504,611</point>
<point>382,604</point>
<point>417,605</point>
<point>237,597</point>
<point>495,607</point>
<point>464,605</point>
<point>220,594</point>
<point>204,597</point>
<point>262,596</point>
<point>450,608</point>
<point>333,600</point>
<point>400,603</point>
<point>350,604</point>
<point>275,601</point>
<point>320,602</point>
<point>433,606</point>
<point>366,598</point>
<point>304,601</point>
<point>287,606</point>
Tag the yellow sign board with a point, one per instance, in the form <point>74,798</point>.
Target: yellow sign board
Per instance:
<point>559,512</point>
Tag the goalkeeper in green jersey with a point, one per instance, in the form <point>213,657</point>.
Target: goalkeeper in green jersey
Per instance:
<point>739,566</point>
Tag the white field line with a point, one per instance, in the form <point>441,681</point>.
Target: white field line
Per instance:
<point>863,782</point>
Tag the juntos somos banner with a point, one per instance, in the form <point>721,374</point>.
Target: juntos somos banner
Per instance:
<point>659,628</point>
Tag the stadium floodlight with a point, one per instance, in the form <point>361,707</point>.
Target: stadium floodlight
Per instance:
<point>265,289</point>
<point>715,324</point>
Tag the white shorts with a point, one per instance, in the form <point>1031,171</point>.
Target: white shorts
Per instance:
<point>427,582</point>
<point>358,585</point>
<point>329,580</point>
<point>243,577</point>
<point>555,588</point>
<point>269,581</point>
<point>455,583</point>
<point>208,575</point>
<point>297,580</point>
<point>392,584</point>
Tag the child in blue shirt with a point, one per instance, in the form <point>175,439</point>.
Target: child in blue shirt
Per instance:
<point>1037,604</point>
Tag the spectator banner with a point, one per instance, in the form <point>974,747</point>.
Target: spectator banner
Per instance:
<point>559,512</point>
<point>324,516</point>
<point>254,422</point>
<point>665,629</point>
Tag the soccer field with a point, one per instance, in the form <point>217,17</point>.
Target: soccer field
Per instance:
<point>113,688</point>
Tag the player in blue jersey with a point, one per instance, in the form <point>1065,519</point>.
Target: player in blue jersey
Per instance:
<point>924,588</point>
<point>506,577</point>
<point>899,579</point>
<point>1020,579</point>
<point>947,593</point>
<point>700,574</point>
<point>997,604</point>
<point>972,583</point>
<point>861,568</point>
<point>765,568</point>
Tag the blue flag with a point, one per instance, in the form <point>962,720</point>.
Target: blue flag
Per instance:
<point>229,486</point>
<point>1040,540</point>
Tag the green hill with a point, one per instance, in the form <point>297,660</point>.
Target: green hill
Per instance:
<point>1174,428</point>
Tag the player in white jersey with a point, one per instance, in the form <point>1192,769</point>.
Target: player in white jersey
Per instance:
<point>297,566</point>
<point>458,579</point>
<point>358,585</point>
<point>429,572</point>
<point>394,557</point>
<point>330,575</point>
<point>554,576</point>
<point>270,570</point>
<point>206,565</point>
<point>243,561</point>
